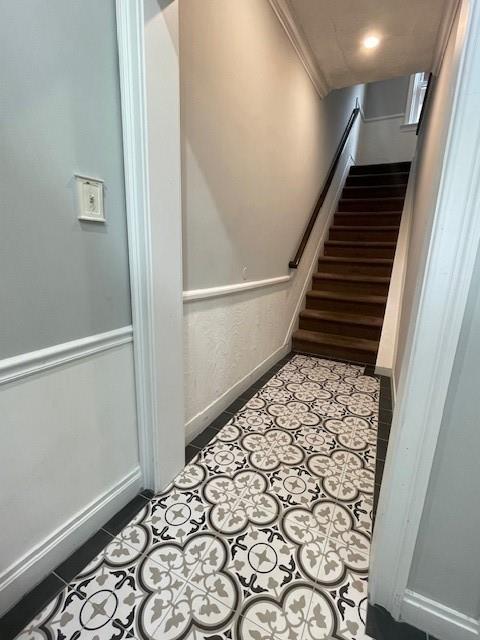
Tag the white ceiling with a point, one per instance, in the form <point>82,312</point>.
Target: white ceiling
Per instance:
<point>329,33</point>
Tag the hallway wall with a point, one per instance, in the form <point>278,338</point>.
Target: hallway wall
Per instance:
<point>442,594</point>
<point>446,564</point>
<point>257,143</point>
<point>429,164</point>
<point>69,453</point>
<point>383,137</point>
<point>62,279</point>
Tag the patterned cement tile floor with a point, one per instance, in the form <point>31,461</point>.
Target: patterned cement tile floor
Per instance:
<point>265,535</point>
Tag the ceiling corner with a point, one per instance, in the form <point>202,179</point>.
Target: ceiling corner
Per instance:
<point>444,30</point>
<point>286,16</point>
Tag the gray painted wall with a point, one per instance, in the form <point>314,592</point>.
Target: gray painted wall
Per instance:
<point>386,97</point>
<point>59,115</point>
<point>446,564</point>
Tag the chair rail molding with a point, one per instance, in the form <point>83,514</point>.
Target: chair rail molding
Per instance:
<point>27,364</point>
<point>285,14</point>
<point>432,339</point>
<point>228,289</point>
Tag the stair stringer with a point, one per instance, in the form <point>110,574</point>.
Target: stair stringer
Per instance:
<point>331,206</point>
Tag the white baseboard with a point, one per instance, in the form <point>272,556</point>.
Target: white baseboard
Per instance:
<point>438,620</point>
<point>203,418</point>
<point>29,570</point>
<point>383,371</point>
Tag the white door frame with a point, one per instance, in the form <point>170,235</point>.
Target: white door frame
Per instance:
<point>433,336</point>
<point>149,69</point>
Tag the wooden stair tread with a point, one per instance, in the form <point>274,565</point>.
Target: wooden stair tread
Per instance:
<point>381,175</point>
<point>350,277</point>
<point>359,243</point>
<point>399,199</point>
<point>370,213</point>
<point>344,318</point>
<point>371,191</point>
<point>344,310</point>
<point>382,167</point>
<point>353,227</point>
<point>360,344</point>
<point>393,214</point>
<point>353,260</point>
<point>350,297</point>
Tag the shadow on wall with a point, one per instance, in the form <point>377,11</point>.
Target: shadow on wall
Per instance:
<point>167,10</point>
<point>256,143</point>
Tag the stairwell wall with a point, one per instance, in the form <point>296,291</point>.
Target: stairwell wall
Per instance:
<point>383,136</point>
<point>257,144</point>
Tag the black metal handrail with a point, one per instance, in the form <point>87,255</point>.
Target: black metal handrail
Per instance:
<point>293,264</point>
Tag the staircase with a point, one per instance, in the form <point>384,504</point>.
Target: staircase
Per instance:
<point>344,310</point>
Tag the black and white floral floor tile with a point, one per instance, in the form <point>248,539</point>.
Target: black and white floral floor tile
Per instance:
<point>265,535</point>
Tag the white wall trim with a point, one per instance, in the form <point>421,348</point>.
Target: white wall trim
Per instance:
<point>443,35</point>
<point>387,348</point>
<point>27,571</point>
<point>432,338</point>
<point>228,289</point>
<point>153,225</point>
<point>130,25</point>
<point>286,15</point>
<point>436,619</point>
<point>27,364</point>
<point>409,127</point>
<point>390,116</point>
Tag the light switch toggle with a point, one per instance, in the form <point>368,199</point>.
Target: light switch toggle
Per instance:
<point>90,199</point>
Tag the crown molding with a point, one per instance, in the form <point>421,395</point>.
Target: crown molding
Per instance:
<point>443,35</point>
<point>286,16</point>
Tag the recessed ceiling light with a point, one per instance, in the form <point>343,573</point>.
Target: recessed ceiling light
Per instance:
<point>370,42</point>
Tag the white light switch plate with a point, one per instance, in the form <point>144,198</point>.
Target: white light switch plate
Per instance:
<point>90,199</point>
